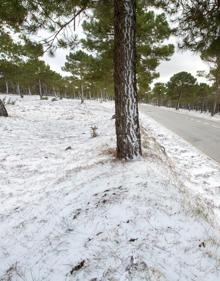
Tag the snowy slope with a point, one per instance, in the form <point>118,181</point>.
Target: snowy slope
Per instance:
<point>70,211</point>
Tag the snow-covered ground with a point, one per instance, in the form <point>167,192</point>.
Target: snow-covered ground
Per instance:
<point>199,173</point>
<point>71,211</point>
<point>204,115</point>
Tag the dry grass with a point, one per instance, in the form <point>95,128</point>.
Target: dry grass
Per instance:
<point>12,272</point>
<point>110,151</point>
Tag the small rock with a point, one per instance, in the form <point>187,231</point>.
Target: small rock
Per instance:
<point>133,239</point>
<point>202,245</point>
<point>77,267</point>
<point>68,148</point>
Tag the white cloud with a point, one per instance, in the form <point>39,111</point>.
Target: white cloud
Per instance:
<point>58,61</point>
<point>182,61</point>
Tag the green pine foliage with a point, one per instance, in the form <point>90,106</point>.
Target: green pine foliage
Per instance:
<point>198,23</point>
<point>159,93</point>
<point>182,85</point>
<point>152,31</point>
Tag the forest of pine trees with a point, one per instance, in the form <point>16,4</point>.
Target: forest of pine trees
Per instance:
<point>123,44</point>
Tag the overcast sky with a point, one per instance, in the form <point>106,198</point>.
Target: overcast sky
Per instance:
<point>182,61</point>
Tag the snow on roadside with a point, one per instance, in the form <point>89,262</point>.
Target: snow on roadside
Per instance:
<point>199,173</point>
<point>70,211</point>
<point>193,113</point>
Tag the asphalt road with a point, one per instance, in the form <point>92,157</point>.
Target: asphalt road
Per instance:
<point>202,133</point>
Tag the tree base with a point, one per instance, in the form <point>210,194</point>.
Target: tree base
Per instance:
<point>3,111</point>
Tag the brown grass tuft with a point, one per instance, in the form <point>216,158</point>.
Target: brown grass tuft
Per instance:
<point>110,151</point>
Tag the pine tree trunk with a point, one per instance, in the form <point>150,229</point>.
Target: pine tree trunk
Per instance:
<point>6,87</point>
<point>82,94</point>
<point>54,92</point>
<point>29,91</point>
<point>213,112</point>
<point>40,89</point>
<point>19,90</point>
<point>3,111</point>
<point>217,95</point>
<point>178,101</point>
<point>126,105</point>
<point>203,105</point>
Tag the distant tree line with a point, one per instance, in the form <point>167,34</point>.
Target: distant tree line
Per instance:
<point>184,91</point>
<point>90,62</point>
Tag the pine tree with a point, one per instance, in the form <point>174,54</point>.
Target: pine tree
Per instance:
<point>181,85</point>
<point>159,92</point>
<point>79,64</point>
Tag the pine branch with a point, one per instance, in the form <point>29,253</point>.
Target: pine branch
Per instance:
<point>63,26</point>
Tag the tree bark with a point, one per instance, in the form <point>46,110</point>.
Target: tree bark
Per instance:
<point>40,89</point>
<point>217,81</point>
<point>6,87</point>
<point>3,111</point>
<point>178,101</point>
<point>213,112</point>
<point>19,90</point>
<point>29,91</point>
<point>82,94</point>
<point>126,104</point>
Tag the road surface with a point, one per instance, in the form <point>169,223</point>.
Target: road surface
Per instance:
<point>202,133</point>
